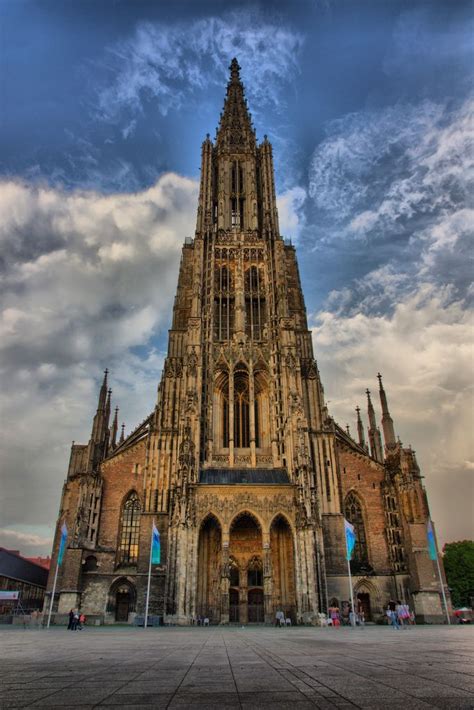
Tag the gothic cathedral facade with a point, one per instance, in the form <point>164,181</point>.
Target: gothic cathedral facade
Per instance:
<point>246,475</point>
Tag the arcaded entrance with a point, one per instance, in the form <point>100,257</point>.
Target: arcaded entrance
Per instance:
<point>283,568</point>
<point>209,570</point>
<point>246,571</point>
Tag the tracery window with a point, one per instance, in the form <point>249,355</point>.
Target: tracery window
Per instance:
<point>241,410</point>
<point>255,573</point>
<point>254,302</point>
<point>129,531</point>
<point>223,304</point>
<point>353,513</point>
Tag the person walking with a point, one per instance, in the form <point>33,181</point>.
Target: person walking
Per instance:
<point>75,621</point>
<point>400,612</point>
<point>392,615</point>
<point>71,620</point>
<point>82,621</point>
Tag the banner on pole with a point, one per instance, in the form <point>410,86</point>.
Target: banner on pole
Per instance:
<point>350,539</point>
<point>431,542</point>
<point>155,546</point>
<point>62,544</point>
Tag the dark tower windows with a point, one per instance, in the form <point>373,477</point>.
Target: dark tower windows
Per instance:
<point>241,409</point>
<point>254,302</point>
<point>237,201</point>
<point>223,302</point>
<point>129,531</point>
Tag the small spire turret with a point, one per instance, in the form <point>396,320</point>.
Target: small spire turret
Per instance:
<point>387,421</point>
<point>360,428</point>
<point>375,440</point>
<point>122,434</point>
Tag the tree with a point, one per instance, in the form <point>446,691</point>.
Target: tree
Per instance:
<point>458,558</point>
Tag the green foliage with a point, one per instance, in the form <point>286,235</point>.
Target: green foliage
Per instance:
<point>458,561</point>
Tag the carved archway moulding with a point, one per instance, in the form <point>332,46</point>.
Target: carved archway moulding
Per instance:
<point>264,509</point>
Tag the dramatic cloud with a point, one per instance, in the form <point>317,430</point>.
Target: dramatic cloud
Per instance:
<point>399,181</point>
<point>424,350</point>
<point>87,282</point>
<point>169,63</point>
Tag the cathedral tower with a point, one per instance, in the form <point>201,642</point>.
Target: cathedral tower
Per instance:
<point>244,472</point>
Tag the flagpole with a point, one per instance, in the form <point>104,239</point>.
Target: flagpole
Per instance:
<point>149,576</point>
<point>442,588</point>
<point>53,593</point>
<point>352,618</point>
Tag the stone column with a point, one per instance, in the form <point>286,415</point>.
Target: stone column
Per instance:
<point>267,581</point>
<point>231,417</point>
<point>225,583</point>
<point>253,453</point>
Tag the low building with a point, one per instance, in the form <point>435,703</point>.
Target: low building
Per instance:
<point>18,574</point>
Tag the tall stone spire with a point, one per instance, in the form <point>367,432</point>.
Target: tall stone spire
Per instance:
<point>97,447</point>
<point>235,132</point>
<point>360,428</point>
<point>122,434</point>
<point>375,440</point>
<point>387,421</point>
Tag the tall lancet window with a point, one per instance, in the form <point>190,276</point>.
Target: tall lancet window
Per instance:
<point>129,531</point>
<point>353,513</point>
<point>223,304</point>
<point>254,302</point>
<point>241,409</point>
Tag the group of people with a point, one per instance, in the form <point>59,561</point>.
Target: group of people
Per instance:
<point>281,619</point>
<point>335,618</point>
<point>76,620</point>
<point>399,615</point>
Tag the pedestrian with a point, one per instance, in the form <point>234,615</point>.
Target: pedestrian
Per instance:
<point>400,612</point>
<point>392,615</point>
<point>71,619</point>
<point>75,621</point>
<point>82,621</point>
<point>279,618</point>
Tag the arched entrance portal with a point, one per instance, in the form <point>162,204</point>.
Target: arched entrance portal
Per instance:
<point>122,600</point>
<point>283,567</point>
<point>209,570</point>
<point>363,605</point>
<point>246,575</point>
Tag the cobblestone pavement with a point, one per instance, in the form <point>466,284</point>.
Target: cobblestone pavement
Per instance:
<point>375,667</point>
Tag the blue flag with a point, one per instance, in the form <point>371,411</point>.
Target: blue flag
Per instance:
<point>155,546</point>
<point>431,542</point>
<point>350,539</point>
<point>62,544</point>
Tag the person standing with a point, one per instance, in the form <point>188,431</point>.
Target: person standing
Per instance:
<point>75,621</point>
<point>71,620</point>
<point>279,618</point>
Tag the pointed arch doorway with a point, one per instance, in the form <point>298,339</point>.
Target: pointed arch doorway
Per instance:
<point>246,571</point>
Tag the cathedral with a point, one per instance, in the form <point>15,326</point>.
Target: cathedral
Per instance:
<point>240,465</point>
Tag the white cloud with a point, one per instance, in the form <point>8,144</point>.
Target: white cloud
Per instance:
<point>12,539</point>
<point>88,279</point>
<point>168,62</point>
<point>424,351</point>
<point>290,212</point>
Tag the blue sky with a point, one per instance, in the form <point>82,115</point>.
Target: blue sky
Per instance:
<point>104,108</point>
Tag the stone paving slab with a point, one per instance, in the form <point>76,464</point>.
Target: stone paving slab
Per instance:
<point>226,668</point>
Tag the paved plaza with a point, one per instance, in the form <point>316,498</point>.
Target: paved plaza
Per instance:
<point>375,667</point>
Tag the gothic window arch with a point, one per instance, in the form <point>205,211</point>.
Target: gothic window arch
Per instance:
<point>353,513</point>
<point>223,300</point>
<point>241,409</point>
<point>129,530</point>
